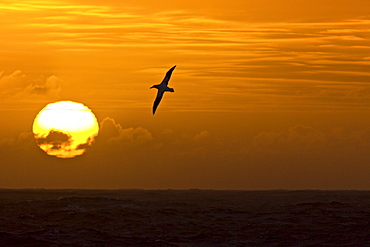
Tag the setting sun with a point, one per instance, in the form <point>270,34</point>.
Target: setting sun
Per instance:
<point>64,129</point>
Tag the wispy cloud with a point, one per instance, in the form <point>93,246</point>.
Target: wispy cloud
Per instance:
<point>273,64</point>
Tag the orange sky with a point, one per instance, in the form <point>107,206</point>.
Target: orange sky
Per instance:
<point>268,94</point>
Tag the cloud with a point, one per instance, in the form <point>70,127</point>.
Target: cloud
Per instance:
<point>177,145</point>
<point>51,87</point>
<point>20,144</point>
<point>113,133</point>
<point>20,85</point>
<point>12,83</point>
<point>56,139</point>
<point>306,138</point>
<point>7,142</point>
<point>286,63</point>
<point>23,137</point>
<point>203,135</point>
<point>297,138</point>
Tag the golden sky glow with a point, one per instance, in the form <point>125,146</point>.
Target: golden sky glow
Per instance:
<point>268,94</point>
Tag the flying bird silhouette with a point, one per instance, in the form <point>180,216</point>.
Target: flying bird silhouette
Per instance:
<point>162,88</point>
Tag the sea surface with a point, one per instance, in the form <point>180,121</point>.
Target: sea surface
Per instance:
<point>184,218</point>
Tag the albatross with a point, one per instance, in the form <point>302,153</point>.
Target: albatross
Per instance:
<point>162,88</point>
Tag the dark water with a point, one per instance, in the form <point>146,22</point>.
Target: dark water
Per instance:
<point>184,218</point>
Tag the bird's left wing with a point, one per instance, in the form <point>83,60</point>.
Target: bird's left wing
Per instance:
<point>168,76</point>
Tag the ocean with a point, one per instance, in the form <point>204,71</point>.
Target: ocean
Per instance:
<point>184,218</point>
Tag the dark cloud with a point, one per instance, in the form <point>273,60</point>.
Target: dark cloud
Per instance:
<point>55,138</point>
<point>86,145</point>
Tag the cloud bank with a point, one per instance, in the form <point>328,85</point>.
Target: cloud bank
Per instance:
<point>113,134</point>
<point>21,86</point>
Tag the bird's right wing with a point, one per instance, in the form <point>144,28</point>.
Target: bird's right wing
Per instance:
<point>157,101</point>
<point>168,76</point>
